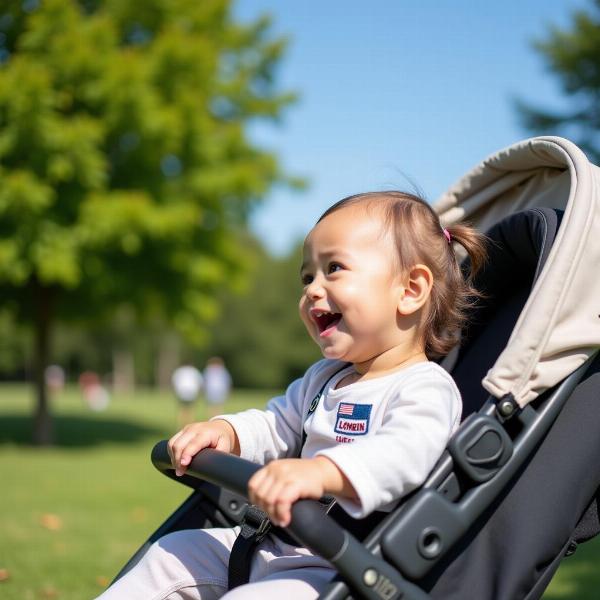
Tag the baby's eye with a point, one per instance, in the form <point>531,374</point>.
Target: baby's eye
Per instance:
<point>306,279</point>
<point>333,267</point>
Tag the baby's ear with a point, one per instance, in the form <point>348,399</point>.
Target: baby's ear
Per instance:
<point>417,288</point>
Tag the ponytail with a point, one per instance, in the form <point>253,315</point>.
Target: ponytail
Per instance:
<point>474,244</point>
<point>453,293</point>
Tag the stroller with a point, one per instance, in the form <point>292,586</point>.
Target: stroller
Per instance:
<point>517,488</point>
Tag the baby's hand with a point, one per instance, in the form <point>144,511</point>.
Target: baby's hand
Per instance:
<point>280,483</point>
<point>185,444</point>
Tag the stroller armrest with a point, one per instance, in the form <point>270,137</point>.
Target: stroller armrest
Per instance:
<point>311,526</point>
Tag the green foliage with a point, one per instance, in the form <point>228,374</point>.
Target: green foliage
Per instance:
<point>260,334</point>
<point>573,56</point>
<point>13,346</point>
<point>125,168</point>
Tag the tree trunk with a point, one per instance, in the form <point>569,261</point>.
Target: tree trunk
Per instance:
<point>167,360</point>
<point>43,427</point>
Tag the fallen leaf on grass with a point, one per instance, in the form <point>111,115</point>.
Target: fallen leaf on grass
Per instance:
<point>51,522</point>
<point>4,574</point>
<point>102,580</point>
<point>49,592</point>
<point>139,514</point>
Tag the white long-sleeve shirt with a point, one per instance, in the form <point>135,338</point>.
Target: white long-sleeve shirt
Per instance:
<point>384,434</point>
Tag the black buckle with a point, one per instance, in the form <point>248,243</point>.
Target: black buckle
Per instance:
<point>257,520</point>
<point>255,526</point>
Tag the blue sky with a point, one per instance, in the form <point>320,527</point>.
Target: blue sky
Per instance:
<point>394,92</point>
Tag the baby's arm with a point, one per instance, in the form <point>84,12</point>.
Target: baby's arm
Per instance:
<point>279,484</point>
<point>257,435</point>
<point>276,432</point>
<point>185,444</point>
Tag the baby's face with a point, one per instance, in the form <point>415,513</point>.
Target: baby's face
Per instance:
<point>349,303</point>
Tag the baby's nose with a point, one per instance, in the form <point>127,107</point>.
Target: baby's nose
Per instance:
<point>315,289</point>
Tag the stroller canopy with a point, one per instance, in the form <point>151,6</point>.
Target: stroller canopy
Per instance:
<point>559,326</point>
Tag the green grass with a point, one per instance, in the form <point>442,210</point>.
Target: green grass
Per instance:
<point>71,515</point>
<point>578,577</point>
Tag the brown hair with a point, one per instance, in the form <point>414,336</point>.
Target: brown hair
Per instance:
<point>420,238</point>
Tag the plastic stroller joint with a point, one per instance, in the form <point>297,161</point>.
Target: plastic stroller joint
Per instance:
<point>481,447</point>
<point>507,406</point>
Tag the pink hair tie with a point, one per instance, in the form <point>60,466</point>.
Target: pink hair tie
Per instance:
<point>447,235</point>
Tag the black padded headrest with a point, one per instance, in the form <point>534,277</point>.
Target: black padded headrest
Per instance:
<point>518,249</point>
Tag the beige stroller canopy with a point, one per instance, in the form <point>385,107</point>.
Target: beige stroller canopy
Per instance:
<point>559,326</point>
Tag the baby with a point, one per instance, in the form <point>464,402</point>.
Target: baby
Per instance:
<point>383,294</point>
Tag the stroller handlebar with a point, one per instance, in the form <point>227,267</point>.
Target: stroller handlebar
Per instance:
<point>220,468</point>
<point>309,521</point>
<point>310,524</point>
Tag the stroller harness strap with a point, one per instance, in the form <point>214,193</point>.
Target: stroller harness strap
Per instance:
<point>255,526</point>
<point>256,523</point>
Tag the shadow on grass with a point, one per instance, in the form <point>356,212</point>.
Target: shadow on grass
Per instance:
<point>78,431</point>
<point>578,577</point>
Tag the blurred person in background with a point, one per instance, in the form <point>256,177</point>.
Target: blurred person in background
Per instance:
<point>95,395</point>
<point>54,375</point>
<point>187,383</point>
<point>217,385</point>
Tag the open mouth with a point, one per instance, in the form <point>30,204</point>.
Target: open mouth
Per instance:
<point>325,321</point>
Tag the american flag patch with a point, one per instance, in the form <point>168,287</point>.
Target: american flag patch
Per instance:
<point>353,419</point>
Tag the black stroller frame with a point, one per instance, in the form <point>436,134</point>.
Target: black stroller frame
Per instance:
<point>436,543</point>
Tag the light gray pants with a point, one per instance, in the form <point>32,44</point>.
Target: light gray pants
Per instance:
<point>192,565</point>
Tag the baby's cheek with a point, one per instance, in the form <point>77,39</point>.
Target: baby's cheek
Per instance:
<point>303,309</point>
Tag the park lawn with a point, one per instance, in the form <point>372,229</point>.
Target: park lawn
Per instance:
<point>71,515</point>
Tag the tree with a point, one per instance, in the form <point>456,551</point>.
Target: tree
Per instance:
<point>125,166</point>
<point>573,56</point>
